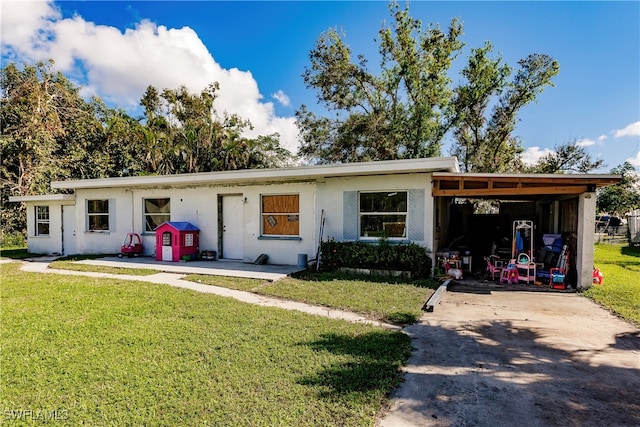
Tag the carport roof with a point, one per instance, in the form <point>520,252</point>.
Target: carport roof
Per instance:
<point>490,185</point>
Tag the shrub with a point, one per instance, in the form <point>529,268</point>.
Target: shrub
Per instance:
<point>15,239</point>
<point>383,255</point>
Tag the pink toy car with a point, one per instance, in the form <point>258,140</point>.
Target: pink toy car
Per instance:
<point>131,245</point>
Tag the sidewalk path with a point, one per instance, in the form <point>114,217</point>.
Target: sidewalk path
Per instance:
<point>41,265</point>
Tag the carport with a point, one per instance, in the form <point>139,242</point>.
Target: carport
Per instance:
<point>474,214</point>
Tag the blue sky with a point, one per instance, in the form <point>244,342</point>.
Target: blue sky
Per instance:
<point>258,51</point>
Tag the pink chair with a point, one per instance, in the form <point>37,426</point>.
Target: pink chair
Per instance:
<point>494,266</point>
<point>509,274</point>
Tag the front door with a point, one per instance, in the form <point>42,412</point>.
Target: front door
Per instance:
<point>232,227</point>
<point>68,230</point>
<point>167,249</point>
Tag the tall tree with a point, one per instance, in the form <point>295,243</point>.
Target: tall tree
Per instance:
<point>47,132</point>
<point>31,126</point>
<point>403,112</point>
<point>624,196</point>
<point>487,108</point>
<point>567,158</point>
<point>184,133</point>
<point>407,109</point>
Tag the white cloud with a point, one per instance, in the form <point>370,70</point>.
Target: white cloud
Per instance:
<point>282,98</point>
<point>585,142</point>
<point>635,161</point>
<point>602,138</point>
<point>26,26</point>
<point>632,130</point>
<point>533,154</point>
<point>118,66</point>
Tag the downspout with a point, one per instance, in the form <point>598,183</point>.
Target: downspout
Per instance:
<point>132,210</point>
<point>62,230</point>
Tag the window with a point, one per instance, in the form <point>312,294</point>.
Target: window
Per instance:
<point>280,215</point>
<point>156,211</point>
<point>383,214</point>
<point>98,215</point>
<point>42,220</point>
<point>188,239</point>
<point>166,238</point>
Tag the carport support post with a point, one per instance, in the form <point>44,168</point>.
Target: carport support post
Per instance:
<point>586,224</point>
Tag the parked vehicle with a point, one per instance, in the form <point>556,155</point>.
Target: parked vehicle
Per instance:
<point>602,221</point>
<point>633,232</point>
<point>609,224</point>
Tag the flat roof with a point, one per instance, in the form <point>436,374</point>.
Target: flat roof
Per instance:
<point>44,198</point>
<point>246,176</point>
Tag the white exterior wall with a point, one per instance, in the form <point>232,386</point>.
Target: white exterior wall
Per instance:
<point>50,244</point>
<point>330,198</point>
<point>199,206</point>
<point>280,250</point>
<point>102,242</point>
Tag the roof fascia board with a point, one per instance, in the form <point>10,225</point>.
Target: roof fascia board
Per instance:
<point>261,175</point>
<point>523,176</point>
<point>71,198</point>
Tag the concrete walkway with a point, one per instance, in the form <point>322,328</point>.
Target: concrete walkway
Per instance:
<point>41,265</point>
<point>215,268</point>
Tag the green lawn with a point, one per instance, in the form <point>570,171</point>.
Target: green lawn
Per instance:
<point>15,252</point>
<point>73,265</point>
<point>620,292</point>
<point>379,299</point>
<point>114,352</point>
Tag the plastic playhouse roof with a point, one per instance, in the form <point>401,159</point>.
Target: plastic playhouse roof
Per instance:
<point>180,225</point>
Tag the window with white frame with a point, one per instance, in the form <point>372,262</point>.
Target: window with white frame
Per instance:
<point>280,215</point>
<point>98,215</point>
<point>156,212</point>
<point>42,220</point>
<point>188,239</point>
<point>383,214</point>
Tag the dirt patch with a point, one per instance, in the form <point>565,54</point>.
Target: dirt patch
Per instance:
<point>491,358</point>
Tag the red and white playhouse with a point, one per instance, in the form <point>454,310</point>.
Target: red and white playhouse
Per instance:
<point>176,241</point>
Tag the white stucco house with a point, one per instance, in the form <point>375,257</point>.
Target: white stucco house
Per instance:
<point>242,214</point>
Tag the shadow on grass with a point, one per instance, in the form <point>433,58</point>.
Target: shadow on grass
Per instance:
<point>20,253</point>
<point>629,251</point>
<point>80,257</point>
<point>313,276</point>
<point>401,318</point>
<point>373,365</point>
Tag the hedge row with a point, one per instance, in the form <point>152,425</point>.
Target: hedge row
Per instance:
<point>383,256</point>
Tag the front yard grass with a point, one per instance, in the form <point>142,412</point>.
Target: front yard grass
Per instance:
<point>15,252</point>
<point>72,264</point>
<point>115,352</point>
<point>379,299</point>
<point>620,292</point>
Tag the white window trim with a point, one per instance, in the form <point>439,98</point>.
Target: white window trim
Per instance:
<point>361,214</point>
<point>42,221</point>
<point>107,214</point>
<point>144,214</point>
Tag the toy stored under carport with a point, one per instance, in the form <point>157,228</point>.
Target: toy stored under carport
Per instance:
<point>176,241</point>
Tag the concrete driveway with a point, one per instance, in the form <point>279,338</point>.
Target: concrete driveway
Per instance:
<point>519,359</point>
